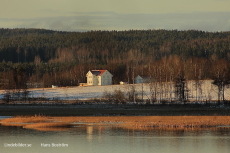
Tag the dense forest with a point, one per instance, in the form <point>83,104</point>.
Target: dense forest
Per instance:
<point>100,47</point>
<point>39,57</point>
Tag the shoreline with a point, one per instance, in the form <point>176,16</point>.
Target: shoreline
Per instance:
<point>113,110</point>
<point>124,116</point>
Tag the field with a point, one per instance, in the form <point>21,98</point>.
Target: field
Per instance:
<point>202,91</point>
<point>76,98</point>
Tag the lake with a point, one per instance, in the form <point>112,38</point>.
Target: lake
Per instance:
<point>92,138</point>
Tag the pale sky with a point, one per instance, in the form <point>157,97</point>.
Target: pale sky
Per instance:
<point>84,15</point>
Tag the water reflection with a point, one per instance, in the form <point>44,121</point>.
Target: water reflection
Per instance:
<point>91,138</point>
<point>89,132</point>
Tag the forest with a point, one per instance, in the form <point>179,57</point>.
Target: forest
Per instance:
<point>41,58</point>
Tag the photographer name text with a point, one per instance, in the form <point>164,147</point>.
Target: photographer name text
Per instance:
<point>54,145</point>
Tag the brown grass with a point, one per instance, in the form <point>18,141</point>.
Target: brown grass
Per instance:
<point>128,121</point>
<point>12,124</point>
<point>47,125</point>
<point>51,129</point>
<point>27,119</point>
<point>155,121</point>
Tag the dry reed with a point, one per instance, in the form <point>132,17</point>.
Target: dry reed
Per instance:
<point>129,121</point>
<point>47,125</point>
<point>27,119</point>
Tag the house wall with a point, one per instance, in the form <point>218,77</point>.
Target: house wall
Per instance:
<point>91,79</point>
<point>104,79</point>
<point>138,79</point>
<point>95,80</point>
<point>99,80</point>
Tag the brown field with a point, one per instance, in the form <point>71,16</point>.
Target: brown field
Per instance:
<point>121,121</point>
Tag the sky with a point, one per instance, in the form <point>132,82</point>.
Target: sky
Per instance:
<point>85,15</point>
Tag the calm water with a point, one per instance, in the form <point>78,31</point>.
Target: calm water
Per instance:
<point>108,139</point>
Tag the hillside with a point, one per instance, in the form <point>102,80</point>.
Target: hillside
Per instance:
<point>24,45</point>
<point>46,57</point>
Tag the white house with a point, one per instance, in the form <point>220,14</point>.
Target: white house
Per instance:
<point>99,77</point>
<point>141,79</point>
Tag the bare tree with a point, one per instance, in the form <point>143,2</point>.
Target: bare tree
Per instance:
<point>181,89</point>
<point>220,75</point>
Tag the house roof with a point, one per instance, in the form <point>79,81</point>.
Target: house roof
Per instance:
<point>97,72</point>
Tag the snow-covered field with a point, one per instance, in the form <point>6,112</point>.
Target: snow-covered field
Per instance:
<point>206,91</point>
